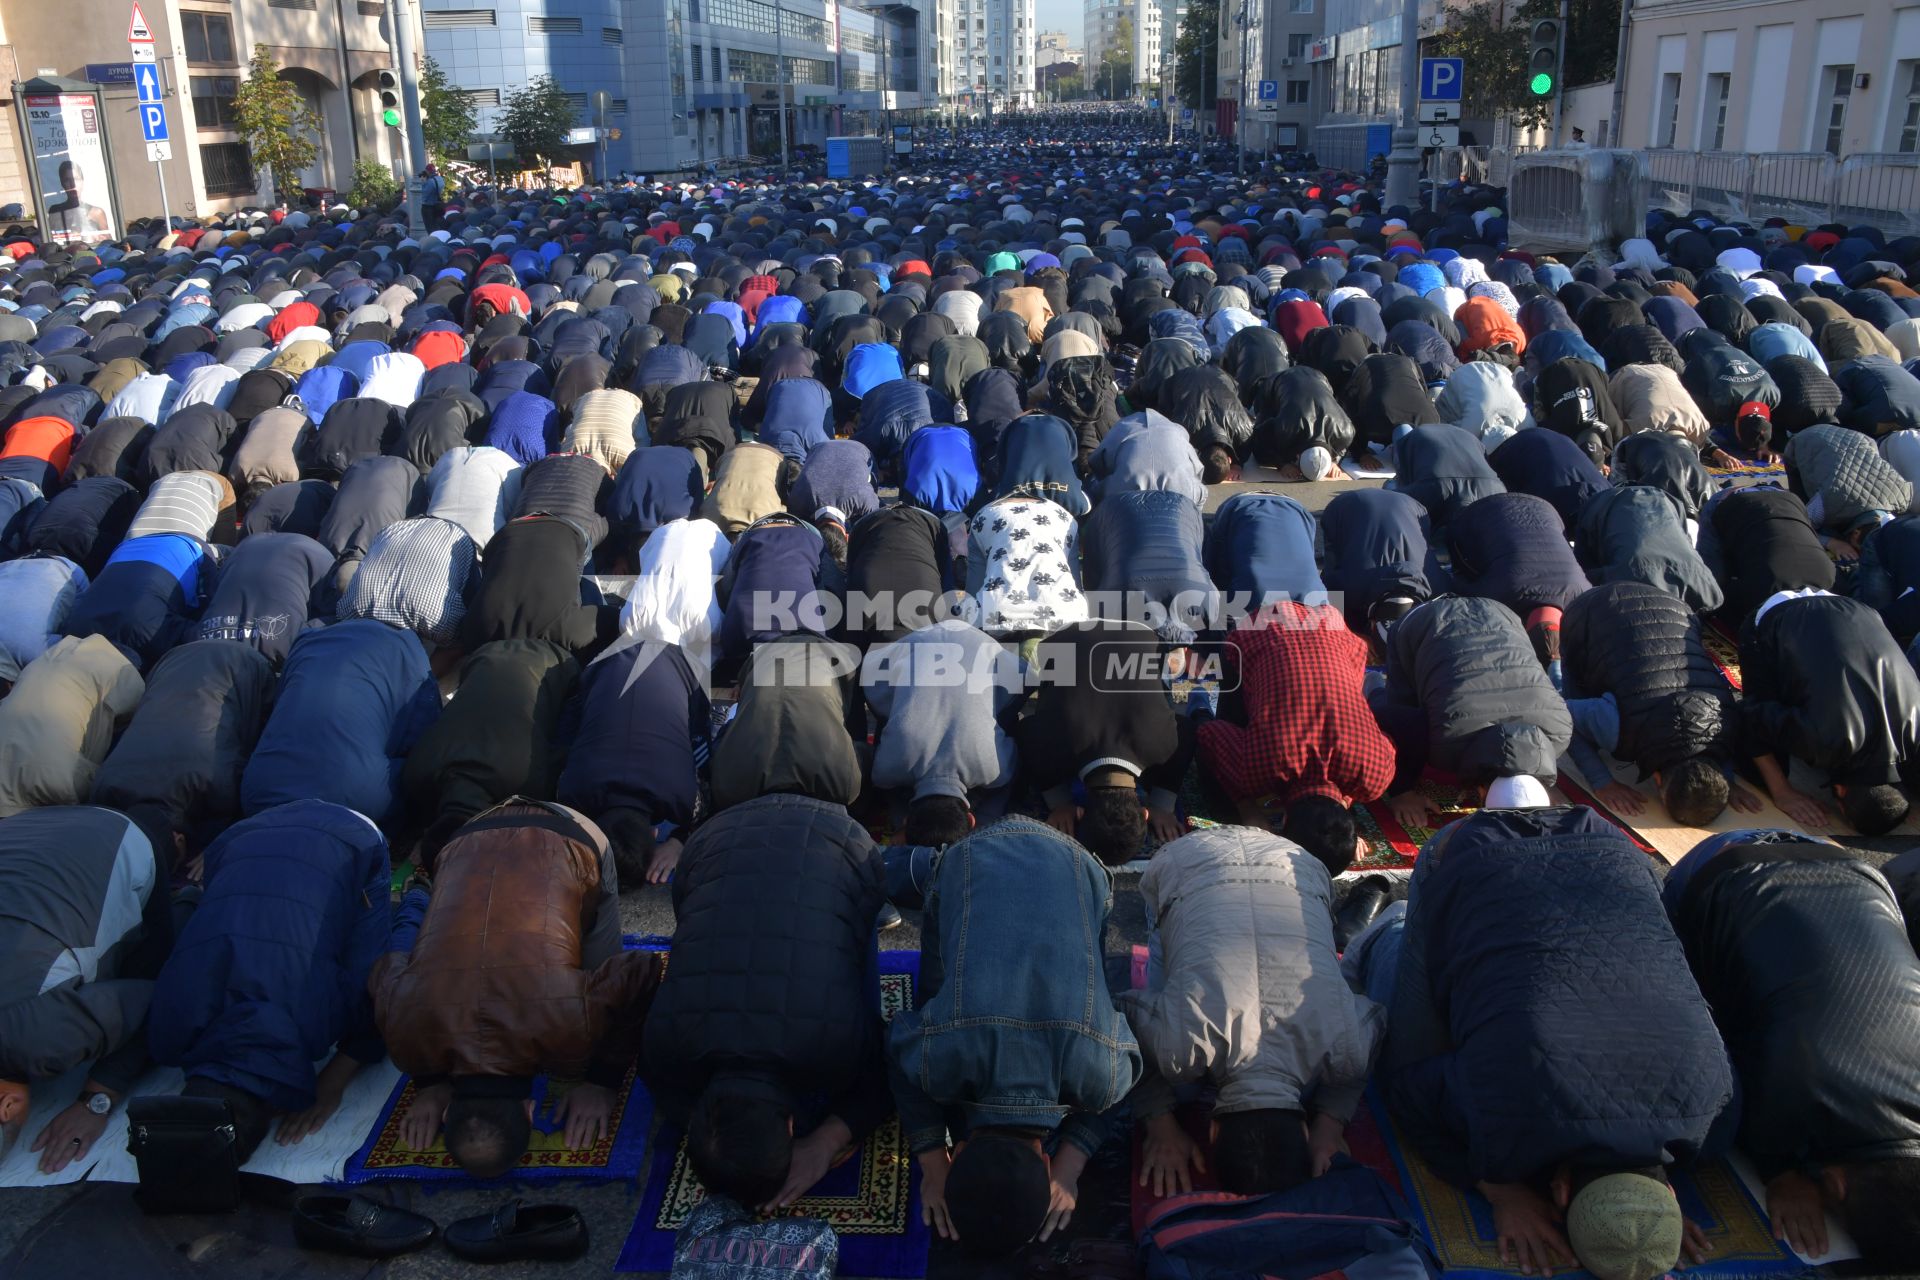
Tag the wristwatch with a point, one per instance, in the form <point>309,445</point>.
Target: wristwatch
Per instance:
<point>99,1102</point>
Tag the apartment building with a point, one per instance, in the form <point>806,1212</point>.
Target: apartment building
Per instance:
<point>331,50</point>
<point>1155,25</point>
<point>993,54</point>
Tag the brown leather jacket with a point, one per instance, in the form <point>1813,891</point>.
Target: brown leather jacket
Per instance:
<point>494,984</point>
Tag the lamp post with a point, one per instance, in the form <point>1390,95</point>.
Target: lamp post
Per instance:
<point>780,81</point>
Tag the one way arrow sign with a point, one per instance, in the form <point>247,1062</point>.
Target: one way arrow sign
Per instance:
<point>147,81</point>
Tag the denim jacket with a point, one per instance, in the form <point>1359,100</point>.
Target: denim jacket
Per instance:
<point>1015,1025</point>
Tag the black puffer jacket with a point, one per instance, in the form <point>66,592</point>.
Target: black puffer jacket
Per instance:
<point>773,906</point>
<point>193,439</point>
<point>1807,394</point>
<point>1443,469</point>
<point>1491,711</point>
<point>1767,544</point>
<point>1511,547</point>
<point>1384,392</point>
<point>1204,401</point>
<point>1300,411</point>
<point>1635,535</point>
<point>1825,682</point>
<point>1643,646</point>
<point>1664,461</point>
<point>1800,944</point>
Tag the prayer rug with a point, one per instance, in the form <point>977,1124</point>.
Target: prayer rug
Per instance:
<point>618,1155</point>
<point>1391,846</point>
<point>1459,1224</point>
<point>1723,648</point>
<point>872,1201</point>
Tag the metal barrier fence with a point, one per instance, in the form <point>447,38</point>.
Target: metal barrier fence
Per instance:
<point>1804,187</point>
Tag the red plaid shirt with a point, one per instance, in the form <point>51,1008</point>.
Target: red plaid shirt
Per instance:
<point>1309,729</point>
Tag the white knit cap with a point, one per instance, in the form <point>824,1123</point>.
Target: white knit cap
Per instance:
<point>1522,791</point>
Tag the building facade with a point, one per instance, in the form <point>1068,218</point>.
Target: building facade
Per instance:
<point>331,50</point>
<point>1155,25</point>
<point>993,54</point>
<point>1744,75</point>
<point>1053,47</point>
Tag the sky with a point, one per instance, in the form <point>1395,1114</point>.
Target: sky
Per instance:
<point>1059,15</point>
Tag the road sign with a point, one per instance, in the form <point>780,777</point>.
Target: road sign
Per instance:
<point>1439,113</point>
<point>141,52</point>
<point>1269,91</point>
<point>1266,110</point>
<point>1441,79</point>
<point>118,74</point>
<point>146,81</point>
<point>1440,135</point>
<point>158,151</point>
<point>138,32</point>
<point>153,122</point>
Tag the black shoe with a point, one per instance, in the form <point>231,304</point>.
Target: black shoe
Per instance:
<point>358,1226</point>
<point>889,917</point>
<point>1367,899</point>
<point>539,1232</point>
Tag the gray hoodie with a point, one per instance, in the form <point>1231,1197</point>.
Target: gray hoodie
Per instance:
<point>942,693</point>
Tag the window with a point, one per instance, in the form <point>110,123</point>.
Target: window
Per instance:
<point>1666,123</point>
<point>1840,83</point>
<point>373,8</point>
<point>612,35</point>
<point>1299,6</point>
<point>441,19</point>
<point>719,74</point>
<point>1297,91</point>
<point>1910,117</point>
<point>292,4</point>
<point>228,168</point>
<point>208,37</point>
<point>744,64</point>
<point>543,26</point>
<point>1713,124</point>
<point>699,64</point>
<point>809,71</point>
<point>1297,44</point>
<point>213,101</point>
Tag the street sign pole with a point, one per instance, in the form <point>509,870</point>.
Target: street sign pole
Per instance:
<point>151,104</point>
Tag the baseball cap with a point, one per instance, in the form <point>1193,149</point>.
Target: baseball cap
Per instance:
<point>1754,409</point>
<point>1625,1226</point>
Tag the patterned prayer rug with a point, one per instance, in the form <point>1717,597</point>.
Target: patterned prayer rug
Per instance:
<point>616,1156</point>
<point>1723,648</point>
<point>1459,1224</point>
<point>872,1201</point>
<point>1391,846</point>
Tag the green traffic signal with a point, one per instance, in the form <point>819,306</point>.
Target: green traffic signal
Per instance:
<point>391,118</point>
<point>1541,85</point>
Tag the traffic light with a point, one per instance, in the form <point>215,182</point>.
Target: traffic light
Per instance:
<point>390,99</point>
<point>1543,57</point>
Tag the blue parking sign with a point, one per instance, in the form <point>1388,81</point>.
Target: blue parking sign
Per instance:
<point>1269,91</point>
<point>1441,79</point>
<point>153,122</point>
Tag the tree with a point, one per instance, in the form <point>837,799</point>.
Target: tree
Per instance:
<point>447,114</point>
<point>374,186</point>
<point>1495,54</point>
<point>1194,52</point>
<point>1114,77</point>
<point>279,127</point>
<point>537,119</point>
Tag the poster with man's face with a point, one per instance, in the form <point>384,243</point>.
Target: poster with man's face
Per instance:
<point>64,133</point>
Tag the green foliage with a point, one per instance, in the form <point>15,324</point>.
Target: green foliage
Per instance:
<point>1193,53</point>
<point>279,127</point>
<point>374,186</point>
<point>447,115</point>
<point>537,120</point>
<point>1113,78</point>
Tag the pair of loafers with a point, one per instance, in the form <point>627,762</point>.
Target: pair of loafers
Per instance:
<point>365,1228</point>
